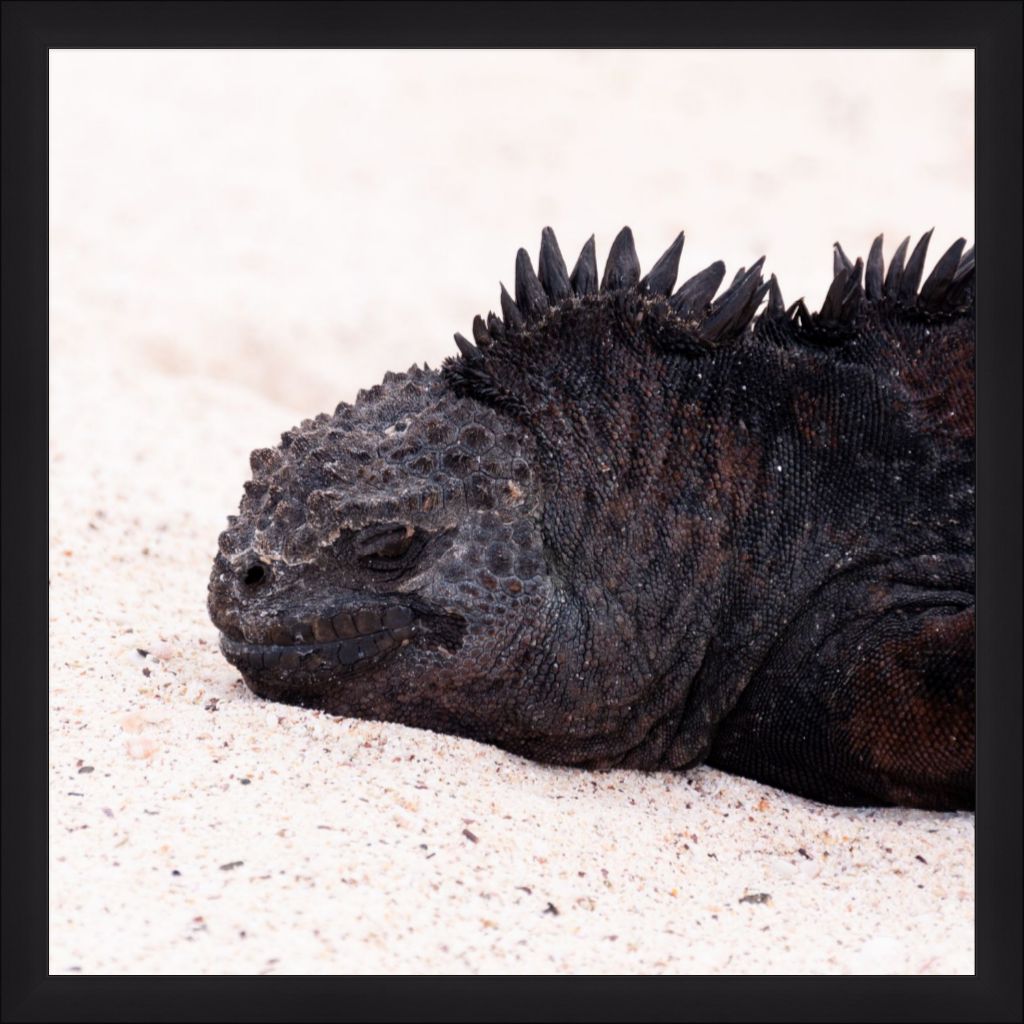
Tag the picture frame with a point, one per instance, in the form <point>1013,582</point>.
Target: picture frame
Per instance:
<point>31,29</point>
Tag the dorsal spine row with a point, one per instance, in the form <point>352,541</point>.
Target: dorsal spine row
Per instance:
<point>705,322</point>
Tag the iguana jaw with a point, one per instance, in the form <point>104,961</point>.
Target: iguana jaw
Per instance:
<point>336,644</point>
<point>297,660</point>
<point>351,622</point>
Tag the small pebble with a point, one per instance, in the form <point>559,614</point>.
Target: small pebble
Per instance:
<point>133,722</point>
<point>140,747</point>
<point>810,868</point>
<point>785,869</point>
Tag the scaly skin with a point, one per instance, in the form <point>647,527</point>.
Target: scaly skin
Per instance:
<point>640,529</point>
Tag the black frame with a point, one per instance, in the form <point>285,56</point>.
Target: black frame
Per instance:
<point>30,29</point>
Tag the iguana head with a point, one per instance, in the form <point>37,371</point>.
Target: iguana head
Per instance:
<point>386,557</point>
<point>527,547</point>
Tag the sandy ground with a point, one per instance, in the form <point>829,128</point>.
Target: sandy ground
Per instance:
<point>240,240</point>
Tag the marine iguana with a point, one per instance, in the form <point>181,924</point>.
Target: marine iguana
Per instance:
<point>631,526</point>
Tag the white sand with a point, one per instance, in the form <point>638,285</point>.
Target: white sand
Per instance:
<point>240,240</point>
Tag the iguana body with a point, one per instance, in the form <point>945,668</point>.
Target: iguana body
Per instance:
<point>640,528</point>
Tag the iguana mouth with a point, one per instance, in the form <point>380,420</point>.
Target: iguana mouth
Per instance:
<point>345,640</point>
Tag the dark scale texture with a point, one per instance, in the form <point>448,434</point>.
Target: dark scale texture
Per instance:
<point>637,527</point>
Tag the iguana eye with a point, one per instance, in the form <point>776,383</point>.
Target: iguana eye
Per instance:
<point>384,543</point>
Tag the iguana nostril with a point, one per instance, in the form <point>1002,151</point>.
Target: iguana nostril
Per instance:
<point>255,575</point>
